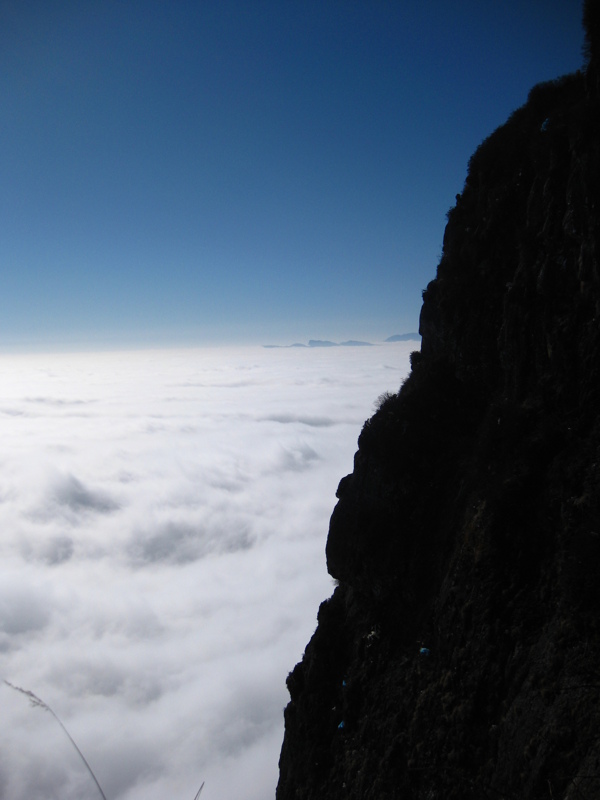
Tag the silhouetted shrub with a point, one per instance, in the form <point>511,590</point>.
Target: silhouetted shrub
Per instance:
<point>384,399</point>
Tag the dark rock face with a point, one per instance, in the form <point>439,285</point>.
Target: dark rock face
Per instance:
<point>459,656</point>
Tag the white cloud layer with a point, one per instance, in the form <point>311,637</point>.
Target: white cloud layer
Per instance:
<point>163,518</point>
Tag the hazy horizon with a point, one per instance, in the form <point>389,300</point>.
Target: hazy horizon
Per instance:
<point>104,347</point>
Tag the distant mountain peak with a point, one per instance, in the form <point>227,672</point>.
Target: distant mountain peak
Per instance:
<point>404,337</point>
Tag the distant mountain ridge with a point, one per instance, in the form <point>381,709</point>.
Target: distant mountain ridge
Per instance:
<point>403,337</point>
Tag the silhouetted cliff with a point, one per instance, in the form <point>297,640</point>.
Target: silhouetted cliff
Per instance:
<point>459,656</point>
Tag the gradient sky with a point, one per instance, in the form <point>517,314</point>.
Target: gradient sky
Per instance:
<point>177,172</point>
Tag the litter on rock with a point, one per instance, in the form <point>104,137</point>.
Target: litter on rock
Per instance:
<point>341,725</point>
<point>424,651</point>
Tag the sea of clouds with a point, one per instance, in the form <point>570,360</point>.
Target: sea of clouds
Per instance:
<point>163,518</point>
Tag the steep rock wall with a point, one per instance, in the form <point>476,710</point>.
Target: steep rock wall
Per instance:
<point>470,526</point>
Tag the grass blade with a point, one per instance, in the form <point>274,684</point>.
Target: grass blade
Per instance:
<point>37,703</point>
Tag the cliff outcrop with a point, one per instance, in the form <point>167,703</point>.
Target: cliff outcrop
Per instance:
<point>459,656</point>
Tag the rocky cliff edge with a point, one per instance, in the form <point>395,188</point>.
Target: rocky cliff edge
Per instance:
<point>459,655</point>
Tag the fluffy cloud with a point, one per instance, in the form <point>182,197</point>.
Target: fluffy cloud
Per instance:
<point>163,518</point>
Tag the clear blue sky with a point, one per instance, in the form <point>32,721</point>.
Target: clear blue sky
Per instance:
<point>180,172</point>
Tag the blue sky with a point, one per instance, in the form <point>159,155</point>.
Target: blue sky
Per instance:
<point>245,170</point>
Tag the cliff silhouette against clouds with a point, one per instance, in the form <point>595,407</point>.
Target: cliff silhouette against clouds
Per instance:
<point>459,656</point>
